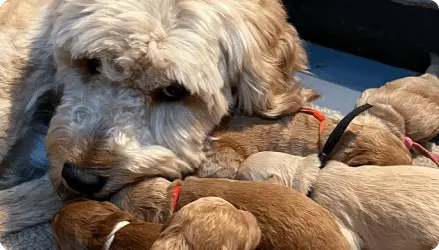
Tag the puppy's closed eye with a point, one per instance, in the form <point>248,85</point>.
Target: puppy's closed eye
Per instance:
<point>172,93</point>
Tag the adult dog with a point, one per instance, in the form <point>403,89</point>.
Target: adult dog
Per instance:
<point>143,82</point>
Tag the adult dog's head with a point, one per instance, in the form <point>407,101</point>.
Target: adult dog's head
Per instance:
<point>145,81</point>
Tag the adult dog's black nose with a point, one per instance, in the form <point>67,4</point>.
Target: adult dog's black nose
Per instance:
<point>81,180</point>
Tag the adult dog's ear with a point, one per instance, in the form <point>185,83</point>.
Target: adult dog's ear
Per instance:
<point>263,58</point>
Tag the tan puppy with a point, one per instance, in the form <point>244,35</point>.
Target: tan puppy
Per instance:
<point>209,223</point>
<point>205,222</point>
<point>288,220</point>
<point>391,208</point>
<point>408,106</point>
<point>363,143</point>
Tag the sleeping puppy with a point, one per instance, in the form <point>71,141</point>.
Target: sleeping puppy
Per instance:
<point>363,143</point>
<point>209,223</point>
<point>390,208</point>
<point>408,106</point>
<point>382,208</point>
<point>288,220</point>
<point>204,222</point>
<point>90,224</point>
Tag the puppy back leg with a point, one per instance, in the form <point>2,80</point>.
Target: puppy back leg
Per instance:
<point>28,204</point>
<point>221,164</point>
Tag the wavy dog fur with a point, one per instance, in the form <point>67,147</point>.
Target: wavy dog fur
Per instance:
<point>408,106</point>
<point>117,59</point>
<point>143,82</point>
<point>378,208</point>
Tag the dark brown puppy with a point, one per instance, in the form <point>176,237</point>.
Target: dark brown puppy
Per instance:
<point>288,219</point>
<point>87,225</point>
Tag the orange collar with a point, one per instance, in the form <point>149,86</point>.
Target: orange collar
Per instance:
<point>318,115</point>
<point>175,196</point>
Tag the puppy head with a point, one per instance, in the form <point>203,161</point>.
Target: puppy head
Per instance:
<point>145,81</point>
<point>85,224</point>
<point>371,143</point>
<point>284,169</point>
<point>210,223</point>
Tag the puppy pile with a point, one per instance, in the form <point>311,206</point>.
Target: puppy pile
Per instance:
<point>180,124</point>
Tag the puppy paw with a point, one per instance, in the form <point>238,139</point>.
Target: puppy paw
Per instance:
<point>211,169</point>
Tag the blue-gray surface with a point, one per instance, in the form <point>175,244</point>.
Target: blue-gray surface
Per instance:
<point>342,77</point>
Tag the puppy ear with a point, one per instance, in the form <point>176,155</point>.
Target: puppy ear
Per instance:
<point>360,160</point>
<point>275,179</point>
<point>267,85</point>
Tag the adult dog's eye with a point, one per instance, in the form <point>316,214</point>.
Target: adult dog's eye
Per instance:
<point>171,93</point>
<point>93,66</point>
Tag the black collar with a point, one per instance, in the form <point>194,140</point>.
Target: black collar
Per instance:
<point>338,132</point>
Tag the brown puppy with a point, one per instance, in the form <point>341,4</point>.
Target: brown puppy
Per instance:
<point>408,106</point>
<point>288,220</point>
<point>207,223</point>
<point>391,208</point>
<point>363,143</point>
<point>210,223</point>
<point>88,225</point>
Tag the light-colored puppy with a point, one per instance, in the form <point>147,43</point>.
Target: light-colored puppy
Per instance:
<point>408,106</point>
<point>363,143</point>
<point>209,223</point>
<point>144,82</point>
<point>391,208</point>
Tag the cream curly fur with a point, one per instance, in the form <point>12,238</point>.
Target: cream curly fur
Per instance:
<point>226,54</point>
<point>385,208</point>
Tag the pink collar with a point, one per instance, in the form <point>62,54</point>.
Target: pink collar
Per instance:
<point>420,149</point>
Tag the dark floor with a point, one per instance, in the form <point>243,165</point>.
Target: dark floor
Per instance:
<point>382,30</point>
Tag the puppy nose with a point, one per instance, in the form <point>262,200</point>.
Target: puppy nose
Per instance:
<point>81,180</point>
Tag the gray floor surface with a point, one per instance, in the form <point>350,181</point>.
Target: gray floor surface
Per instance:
<point>342,77</point>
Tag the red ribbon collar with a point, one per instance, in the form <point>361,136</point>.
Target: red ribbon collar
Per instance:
<point>175,196</point>
<point>318,115</point>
